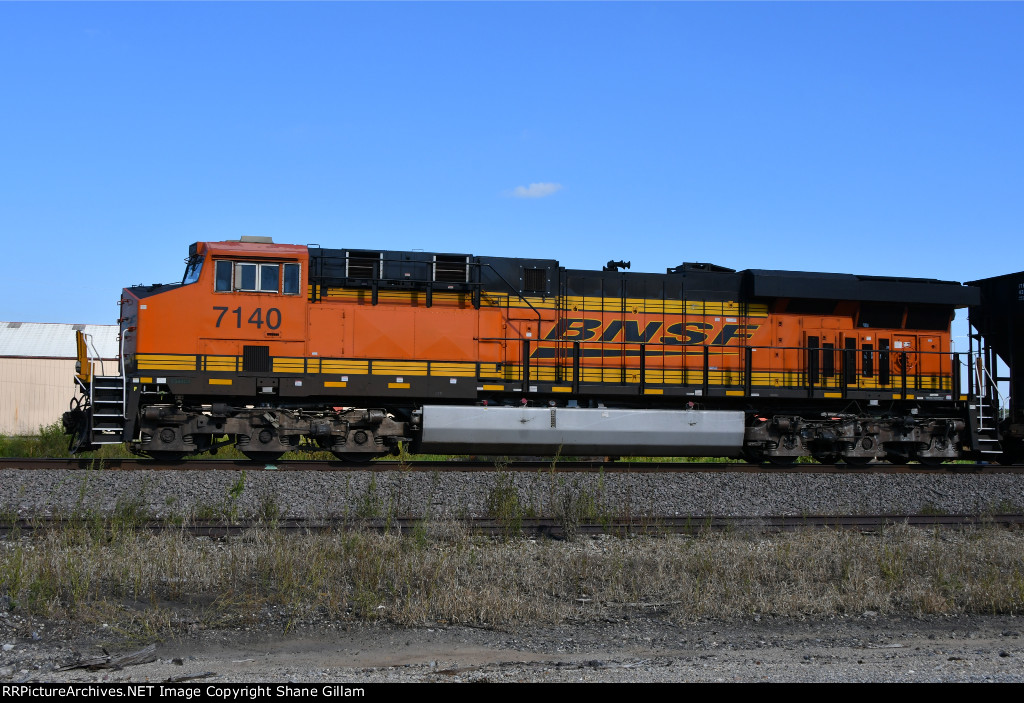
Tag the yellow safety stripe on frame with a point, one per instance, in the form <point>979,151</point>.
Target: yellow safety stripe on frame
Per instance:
<point>176,362</point>
<point>399,368</point>
<point>690,376</point>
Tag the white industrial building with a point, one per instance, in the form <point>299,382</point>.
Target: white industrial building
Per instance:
<point>37,370</point>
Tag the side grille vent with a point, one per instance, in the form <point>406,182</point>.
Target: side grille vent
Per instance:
<point>364,264</point>
<point>451,269</point>
<point>534,280</point>
<point>256,359</point>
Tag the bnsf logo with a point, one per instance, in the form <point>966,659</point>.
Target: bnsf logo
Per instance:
<point>630,332</point>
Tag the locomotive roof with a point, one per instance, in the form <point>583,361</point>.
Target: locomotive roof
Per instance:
<point>848,286</point>
<point>255,248</point>
<point>710,278</point>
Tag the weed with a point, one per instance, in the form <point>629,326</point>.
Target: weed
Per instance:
<point>269,512</point>
<point>503,504</point>
<point>370,505</point>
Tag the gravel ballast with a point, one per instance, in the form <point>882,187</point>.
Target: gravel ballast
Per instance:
<point>455,494</point>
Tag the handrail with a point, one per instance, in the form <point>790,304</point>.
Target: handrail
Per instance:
<point>518,293</point>
<point>697,358</point>
<point>320,278</point>
<point>89,341</point>
<point>982,373</point>
<point>124,382</point>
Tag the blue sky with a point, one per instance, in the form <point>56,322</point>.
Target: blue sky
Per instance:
<point>872,138</point>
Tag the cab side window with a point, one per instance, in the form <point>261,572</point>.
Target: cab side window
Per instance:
<point>269,275</point>
<point>252,277</point>
<point>291,279</point>
<point>223,277</point>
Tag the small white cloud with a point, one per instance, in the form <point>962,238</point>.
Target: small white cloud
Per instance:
<point>536,190</point>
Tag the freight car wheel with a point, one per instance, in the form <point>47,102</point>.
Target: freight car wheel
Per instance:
<point>856,461</point>
<point>781,460</point>
<point>826,458</point>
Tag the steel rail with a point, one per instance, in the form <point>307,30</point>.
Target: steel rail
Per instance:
<point>492,465</point>
<point>546,527</point>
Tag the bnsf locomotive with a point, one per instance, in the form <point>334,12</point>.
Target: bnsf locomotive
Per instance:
<point>273,347</point>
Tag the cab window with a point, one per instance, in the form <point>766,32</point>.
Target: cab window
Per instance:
<point>253,277</point>
<point>291,279</point>
<point>193,267</point>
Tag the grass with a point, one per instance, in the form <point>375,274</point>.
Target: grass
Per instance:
<point>441,573</point>
<point>108,567</point>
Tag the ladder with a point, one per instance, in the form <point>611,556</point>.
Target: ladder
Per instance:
<point>106,397</point>
<point>985,409</point>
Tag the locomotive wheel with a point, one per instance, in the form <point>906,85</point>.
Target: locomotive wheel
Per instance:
<point>826,458</point>
<point>929,461</point>
<point>264,457</point>
<point>753,456</point>
<point>355,457</point>
<point>166,456</point>
<point>781,460</point>
<point>857,460</point>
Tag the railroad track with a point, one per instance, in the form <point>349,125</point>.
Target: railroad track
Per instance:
<point>541,527</point>
<point>491,465</point>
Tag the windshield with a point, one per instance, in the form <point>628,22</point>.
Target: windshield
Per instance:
<point>193,265</point>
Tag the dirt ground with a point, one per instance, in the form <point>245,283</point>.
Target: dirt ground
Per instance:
<point>641,648</point>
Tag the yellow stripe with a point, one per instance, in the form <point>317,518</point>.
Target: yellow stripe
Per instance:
<point>734,392</point>
<point>289,365</point>
<point>654,391</point>
<point>221,363</point>
<point>492,387</point>
<point>446,369</point>
<point>586,303</point>
<point>177,362</point>
<point>561,389</point>
<point>167,365</point>
<point>388,297</point>
<point>665,307</point>
<point>833,395</point>
<point>337,366</point>
<point>398,385</point>
<point>393,368</point>
<point>220,381</point>
<point>335,384</point>
<point>146,379</point>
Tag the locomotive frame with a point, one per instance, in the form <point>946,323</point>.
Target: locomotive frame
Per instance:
<point>273,347</point>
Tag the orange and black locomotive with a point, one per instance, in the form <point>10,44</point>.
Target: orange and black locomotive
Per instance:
<point>273,347</point>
